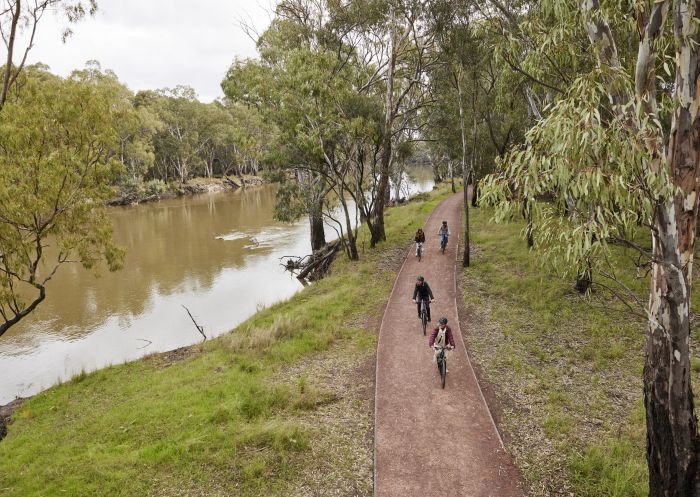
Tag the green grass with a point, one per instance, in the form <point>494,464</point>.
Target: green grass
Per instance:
<point>217,422</point>
<point>567,369</point>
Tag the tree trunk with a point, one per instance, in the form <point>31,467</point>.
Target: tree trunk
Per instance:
<point>465,257</point>
<point>452,177</point>
<point>437,178</point>
<point>475,191</point>
<point>465,172</point>
<point>10,51</point>
<point>378,233</point>
<point>318,234</point>
<point>673,444</point>
<point>352,241</point>
<point>529,231</point>
<point>672,439</point>
<point>585,279</point>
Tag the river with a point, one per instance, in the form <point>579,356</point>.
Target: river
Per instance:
<point>218,254</point>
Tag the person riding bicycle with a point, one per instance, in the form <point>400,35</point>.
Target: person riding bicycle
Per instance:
<point>441,338</point>
<point>444,233</point>
<point>419,238</point>
<point>423,293</point>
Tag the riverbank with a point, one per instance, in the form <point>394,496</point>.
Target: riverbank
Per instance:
<point>564,374</point>
<point>281,406</point>
<point>152,191</point>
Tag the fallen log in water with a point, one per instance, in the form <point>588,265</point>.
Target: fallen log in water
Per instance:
<point>230,183</point>
<point>314,266</point>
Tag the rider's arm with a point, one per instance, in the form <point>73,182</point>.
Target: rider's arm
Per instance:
<point>431,341</point>
<point>430,292</point>
<point>415,292</point>
<point>450,337</point>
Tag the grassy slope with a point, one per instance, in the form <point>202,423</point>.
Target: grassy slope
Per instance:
<point>567,375</point>
<point>274,408</point>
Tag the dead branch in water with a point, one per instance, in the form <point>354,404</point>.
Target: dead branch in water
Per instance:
<point>314,266</point>
<point>143,340</point>
<point>200,329</point>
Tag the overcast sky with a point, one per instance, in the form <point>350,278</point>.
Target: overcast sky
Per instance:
<point>154,44</point>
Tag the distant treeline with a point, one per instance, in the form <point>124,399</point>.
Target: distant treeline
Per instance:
<point>169,135</point>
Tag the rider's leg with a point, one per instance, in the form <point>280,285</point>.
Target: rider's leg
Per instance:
<point>418,305</point>
<point>427,309</point>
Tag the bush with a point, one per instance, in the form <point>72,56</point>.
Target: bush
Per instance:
<point>155,187</point>
<point>132,188</point>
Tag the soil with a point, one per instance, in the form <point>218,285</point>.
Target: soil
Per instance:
<point>430,441</point>
<point>6,413</point>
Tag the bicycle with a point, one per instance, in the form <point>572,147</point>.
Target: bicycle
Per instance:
<point>419,250</point>
<point>443,243</point>
<point>424,315</point>
<point>441,360</point>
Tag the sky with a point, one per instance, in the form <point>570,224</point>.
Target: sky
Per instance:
<point>154,44</point>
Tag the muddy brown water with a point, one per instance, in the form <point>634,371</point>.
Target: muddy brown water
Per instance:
<point>218,254</point>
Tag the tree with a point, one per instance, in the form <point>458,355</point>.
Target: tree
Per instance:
<point>135,126</point>
<point>23,16</point>
<point>410,52</point>
<point>619,150</point>
<point>183,136</point>
<point>55,140</point>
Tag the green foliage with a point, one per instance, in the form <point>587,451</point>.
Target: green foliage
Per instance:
<point>494,112</point>
<point>55,138</point>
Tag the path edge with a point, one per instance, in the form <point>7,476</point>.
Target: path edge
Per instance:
<point>461,337</point>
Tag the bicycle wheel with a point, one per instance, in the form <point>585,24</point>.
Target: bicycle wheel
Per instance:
<point>424,320</point>
<point>420,253</point>
<point>442,366</point>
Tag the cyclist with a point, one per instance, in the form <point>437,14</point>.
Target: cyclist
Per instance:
<point>444,233</point>
<point>422,292</point>
<point>441,338</point>
<point>419,238</point>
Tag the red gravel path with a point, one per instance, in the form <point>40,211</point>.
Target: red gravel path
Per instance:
<point>431,442</point>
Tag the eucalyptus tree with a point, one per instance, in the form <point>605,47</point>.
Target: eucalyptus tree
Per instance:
<point>19,21</point>
<point>216,131</point>
<point>620,150</point>
<point>56,140</point>
<point>183,135</point>
<point>253,138</point>
<point>263,85</point>
<point>406,55</point>
<point>479,111</point>
<point>135,127</point>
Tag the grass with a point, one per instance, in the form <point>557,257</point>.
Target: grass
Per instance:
<point>239,415</point>
<point>566,370</point>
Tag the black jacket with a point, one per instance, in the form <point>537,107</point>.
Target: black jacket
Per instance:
<point>423,290</point>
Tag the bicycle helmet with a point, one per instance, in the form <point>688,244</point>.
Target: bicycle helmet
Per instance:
<point>444,222</point>
<point>420,278</point>
<point>443,321</point>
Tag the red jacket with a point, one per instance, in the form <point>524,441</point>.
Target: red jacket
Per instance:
<point>448,336</point>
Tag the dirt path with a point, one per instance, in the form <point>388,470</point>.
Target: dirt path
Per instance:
<point>431,442</point>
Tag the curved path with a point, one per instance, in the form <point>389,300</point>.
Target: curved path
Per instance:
<point>431,442</point>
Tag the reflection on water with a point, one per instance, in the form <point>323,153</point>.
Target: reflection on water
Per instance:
<point>217,254</point>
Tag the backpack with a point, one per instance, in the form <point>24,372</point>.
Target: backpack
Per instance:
<point>441,338</point>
